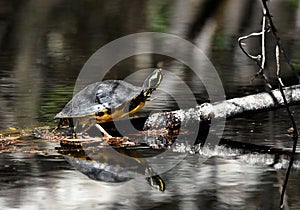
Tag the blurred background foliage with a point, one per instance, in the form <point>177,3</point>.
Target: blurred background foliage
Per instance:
<point>44,44</point>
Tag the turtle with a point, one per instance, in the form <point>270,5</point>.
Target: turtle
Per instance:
<point>106,101</point>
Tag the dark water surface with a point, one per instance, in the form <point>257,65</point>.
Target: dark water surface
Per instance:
<point>44,45</point>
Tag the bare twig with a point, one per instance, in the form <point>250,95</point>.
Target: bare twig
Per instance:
<point>279,48</point>
<point>278,39</point>
<point>278,66</point>
<point>261,58</point>
<point>240,39</point>
<point>263,42</point>
<point>295,141</point>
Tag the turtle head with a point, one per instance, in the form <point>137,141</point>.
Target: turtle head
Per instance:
<point>152,82</point>
<point>156,182</point>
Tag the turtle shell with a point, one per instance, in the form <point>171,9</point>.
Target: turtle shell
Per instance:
<point>99,96</point>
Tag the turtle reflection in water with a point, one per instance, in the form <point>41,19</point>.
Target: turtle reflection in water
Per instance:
<point>106,101</point>
<point>108,164</point>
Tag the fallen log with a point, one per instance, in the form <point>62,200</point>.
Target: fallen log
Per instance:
<point>205,123</point>
<point>226,109</point>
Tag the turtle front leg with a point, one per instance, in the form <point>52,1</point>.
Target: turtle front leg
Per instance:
<point>60,123</point>
<point>83,125</point>
<point>102,130</point>
<point>66,122</point>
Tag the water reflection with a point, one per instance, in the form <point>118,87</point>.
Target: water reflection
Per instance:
<point>48,182</point>
<point>108,164</point>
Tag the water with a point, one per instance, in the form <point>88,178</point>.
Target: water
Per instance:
<point>48,182</point>
<point>44,45</point>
